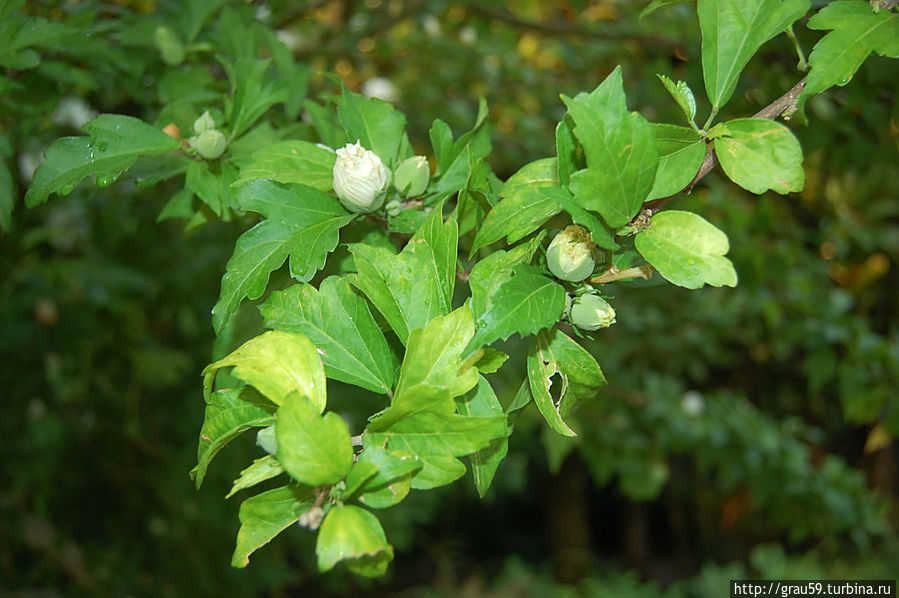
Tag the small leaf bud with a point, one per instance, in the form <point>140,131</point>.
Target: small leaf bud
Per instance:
<point>169,45</point>
<point>411,177</point>
<point>591,312</point>
<point>360,178</point>
<point>204,123</point>
<point>570,254</point>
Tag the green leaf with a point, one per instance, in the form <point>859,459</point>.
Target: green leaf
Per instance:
<point>264,516</point>
<point>526,303</point>
<point>436,438</point>
<point>525,206</point>
<point>482,401</point>
<point>490,273</point>
<point>340,324</point>
<point>567,151</point>
<point>598,231</point>
<point>113,144</point>
<point>553,353</point>
<point>7,196</point>
<point>658,4</point>
<point>291,161</point>
<point>277,364</point>
<point>453,156</point>
<point>313,449</point>
<point>621,153</point>
<point>253,92</point>
<point>374,123</point>
<point>732,32</point>
<point>211,189</point>
<point>433,363</point>
<point>443,240</point>
<point>687,250</point>
<point>857,30</point>
<point>683,95</point>
<point>681,152</point>
<point>407,288</point>
<point>491,361</point>
<point>228,414</point>
<point>759,154</point>
<point>262,469</point>
<point>390,481</point>
<point>301,222</point>
<point>354,535</point>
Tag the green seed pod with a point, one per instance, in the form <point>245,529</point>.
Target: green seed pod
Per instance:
<point>266,439</point>
<point>411,177</point>
<point>591,312</point>
<point>169,45</point>
<point>210,144</point>
<point>570,255</point>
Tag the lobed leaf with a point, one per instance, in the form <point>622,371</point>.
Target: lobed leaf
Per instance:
<point>292,161</point>
<point>264,516</point>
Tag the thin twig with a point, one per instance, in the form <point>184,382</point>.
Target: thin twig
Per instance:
<point>614,273</point>
<point>785,104</point>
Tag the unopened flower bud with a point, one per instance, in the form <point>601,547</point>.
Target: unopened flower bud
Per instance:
<point>591,312</point>
<point>266,439</point>
<point>204,123</point>
<point>169,45</point>
<point>210,144</point>
<point>570,255</point>
<point>360,178</point>
<point>411,177</point>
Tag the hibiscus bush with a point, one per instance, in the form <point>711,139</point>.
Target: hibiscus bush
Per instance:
<point>412,296</point>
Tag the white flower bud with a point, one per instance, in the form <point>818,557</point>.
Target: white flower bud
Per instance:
<point>411,177</point>
<point>570,255</point>
<point>591,312</point>
<point>360,178</point>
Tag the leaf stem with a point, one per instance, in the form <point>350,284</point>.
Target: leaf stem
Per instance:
<point>711,119</point>
<point>614,273</point>
<point>802,65</point>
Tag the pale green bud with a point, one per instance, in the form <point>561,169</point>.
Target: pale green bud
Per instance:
<point>204,123</point>
<point>411,177</point>
<point>570,254</point>
<point>210,144</point>
<point>591,312</point>
<point>169,45</point>
<point>266,439</point>
<point>360,178</point>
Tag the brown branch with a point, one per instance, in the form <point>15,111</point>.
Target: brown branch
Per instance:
<point>614,273</point>
<point>785,104</point>
<point>558,28</point>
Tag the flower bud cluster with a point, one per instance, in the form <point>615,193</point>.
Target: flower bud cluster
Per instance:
<point>208,141</point>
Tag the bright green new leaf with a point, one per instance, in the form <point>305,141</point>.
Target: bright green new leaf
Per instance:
<point>490,273</point>
<point>759,154</point>
<point>732,32</point>
<point>212,189</point>
<point>525,206</point>
<point>687,250</point>
<point>599,232</point>
<point>567,151</point>
<point>277,364</point>
<point>407,288</point>
<point>482,401</point>
<point>113,144</point>
<point>292,161</point>
<point>339,322</point>
<point>436,438</point>
<point>301,223</point>
<point>374,123</point>
<point>683,95</point>
<point>551,353</point>
<point>313,449</point>
<point>453,156</point>
<point>491,361</point>
<point>621,153</point>
<point>433,357</point>
<point>262,469</point>
<point>443,240</point>
<point>353,535</point>
<point>264,516</point>
<point>526,303</point>
<point>681,151</point>
<point>857,30</point>
<point>229,412</point>
<point>7,196</point>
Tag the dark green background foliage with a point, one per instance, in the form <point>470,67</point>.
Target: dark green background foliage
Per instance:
<point>744,432</point>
